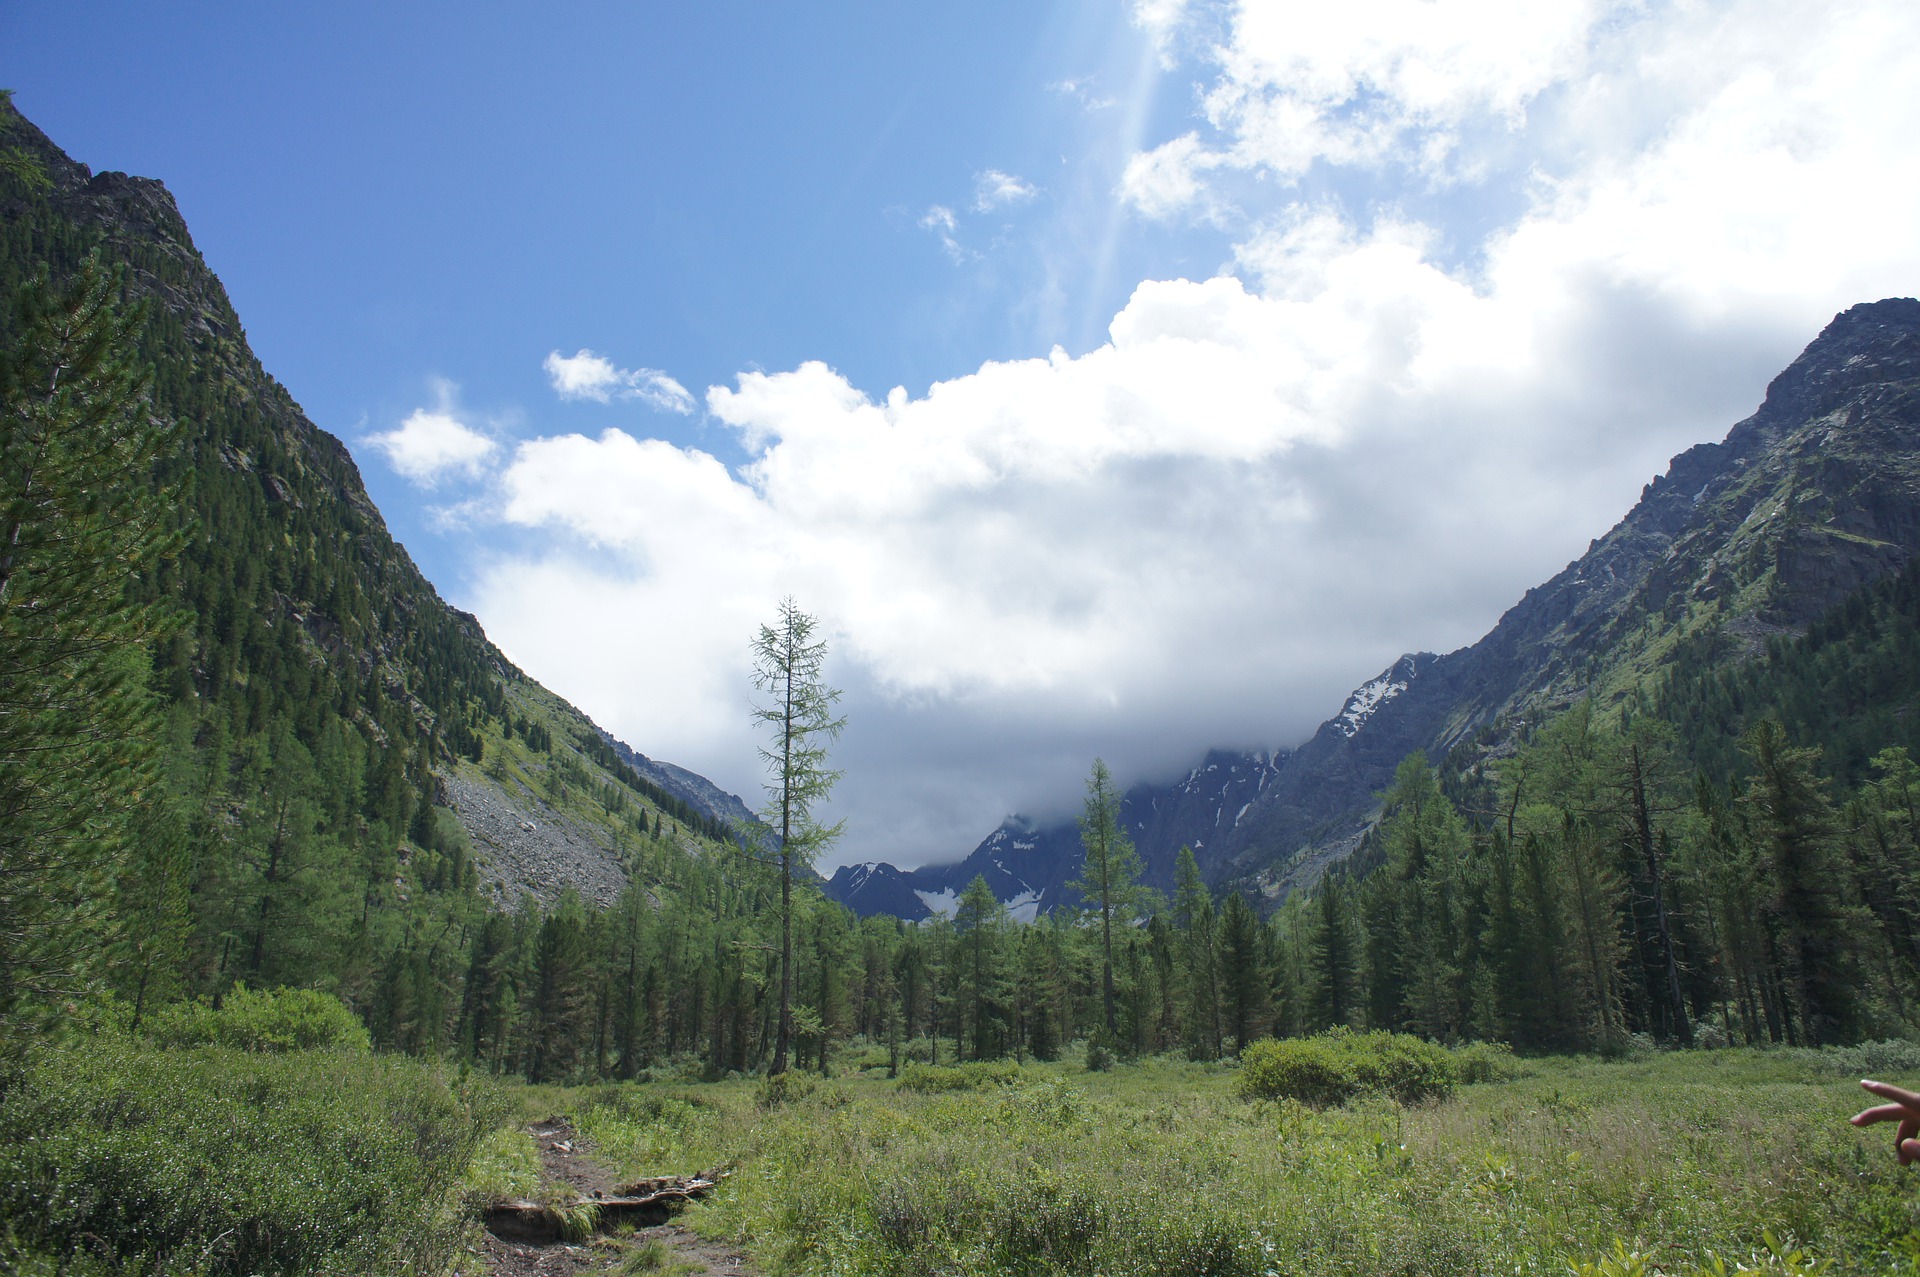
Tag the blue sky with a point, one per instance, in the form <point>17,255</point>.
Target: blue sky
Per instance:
<point>394,193</point>
<point>1120,378</point>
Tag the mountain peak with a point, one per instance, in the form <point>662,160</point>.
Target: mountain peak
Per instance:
<point>1864,345</point>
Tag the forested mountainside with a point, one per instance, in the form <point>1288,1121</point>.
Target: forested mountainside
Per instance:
<point>1812,497</point>
<point>1740,544</point>
<point>352,771</point>
<point>299,597</point>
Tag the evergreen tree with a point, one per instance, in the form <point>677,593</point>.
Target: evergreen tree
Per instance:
<point>788,666</point>
<point>1244,975</point>
<point>1193,916</point>
<point>1812,920</point>
<point>1641,762</point>
<point>1416,909</point>
<point>560,1014</point>
<point>979,925</point>
<point>1333,959</point>
<point>1110,876</point>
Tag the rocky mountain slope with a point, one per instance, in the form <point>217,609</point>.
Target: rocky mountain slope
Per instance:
<point>1812,497</point>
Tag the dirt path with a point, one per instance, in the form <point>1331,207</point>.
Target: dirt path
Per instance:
<point>667,1249</point>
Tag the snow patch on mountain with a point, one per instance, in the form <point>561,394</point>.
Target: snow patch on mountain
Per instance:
<point>1024,907</point>
<point>945,903</point>
<point>1366,699</point>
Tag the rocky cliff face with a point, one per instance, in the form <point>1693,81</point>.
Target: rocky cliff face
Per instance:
<point>1813,496</point>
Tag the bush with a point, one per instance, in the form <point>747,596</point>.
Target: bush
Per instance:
<point>1311,1070</point>
<point>1334,1067</point>
<point>787,1088</point>
<point>1864,1059</point>
<point>268,1020</point>
<point>976,1075</point>
<point>1487,1062</point>
<point>217,1162</point>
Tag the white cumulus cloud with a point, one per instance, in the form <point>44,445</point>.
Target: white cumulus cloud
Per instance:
<point>585,375</point>
<point>433,444</point>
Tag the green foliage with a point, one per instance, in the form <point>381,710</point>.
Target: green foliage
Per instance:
<point>262,1020</point>
<point>1864,1059</point>
<point>1337,1066</point>
<point>649,1256</point>
<point>1773,1256</point>
<point>1480,1062</point>
<point>780,1089</point>
<point>789,667</point>
<point>82,521</point>
<point>1849,686</point>
<point>1109,877</point>
<point>220,1162</point>
<point>976,1075</point>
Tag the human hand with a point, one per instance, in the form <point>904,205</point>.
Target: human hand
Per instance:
<point>1905,1109</point>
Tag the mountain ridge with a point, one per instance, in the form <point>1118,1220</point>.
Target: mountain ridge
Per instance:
<point>1811,497</point>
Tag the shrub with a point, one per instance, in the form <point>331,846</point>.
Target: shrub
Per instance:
<point>1400,1065</point>
<point>1864,1059</point>
<point>1334,1067</point>
<point>267,1020</point>
<point>1312,1070</point>
<point>786,1088</point>
<point>975,1075</point>
<point>1487,1062</point>
<point>221,1162</point>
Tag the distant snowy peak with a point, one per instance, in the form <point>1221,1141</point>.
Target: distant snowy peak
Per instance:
<point>874,888</point>
<point>857,876</point>
<point>1369,697</point>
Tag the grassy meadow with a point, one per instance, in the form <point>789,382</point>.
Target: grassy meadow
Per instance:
<point>1675,1163</point>
<point>121,1156</point>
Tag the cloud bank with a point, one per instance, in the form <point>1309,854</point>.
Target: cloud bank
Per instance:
<point>1368,434</point>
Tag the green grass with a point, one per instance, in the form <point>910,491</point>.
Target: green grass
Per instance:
<point>119,1158</point>
<point>505,1167</point>
<point>1672,1162</point>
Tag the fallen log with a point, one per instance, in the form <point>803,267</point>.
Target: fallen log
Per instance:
<point>643,1203</point>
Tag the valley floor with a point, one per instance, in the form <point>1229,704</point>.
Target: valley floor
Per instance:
<point>1669,1163</point>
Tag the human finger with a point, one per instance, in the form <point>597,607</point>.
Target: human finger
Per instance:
<point>1898,1095</point>
<point>1880,1113</point>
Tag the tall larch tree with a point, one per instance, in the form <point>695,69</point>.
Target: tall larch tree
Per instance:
<point>1110,876</point>
<point>789,665</point>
